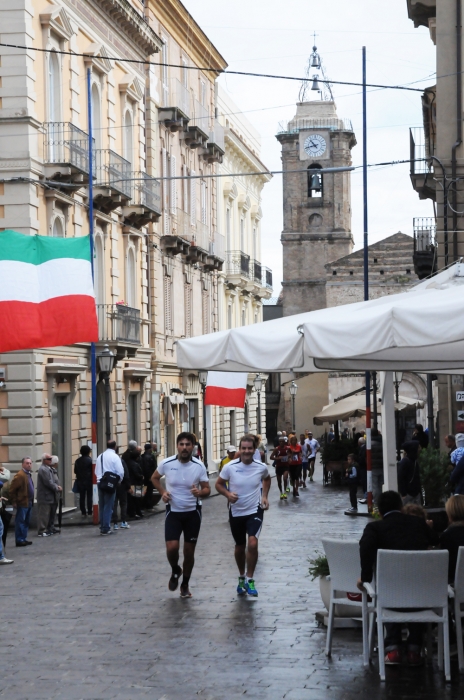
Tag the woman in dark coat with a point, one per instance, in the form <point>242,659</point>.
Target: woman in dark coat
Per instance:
<point>83,473</point>
<point>134,497</point>
<point>409,484</point>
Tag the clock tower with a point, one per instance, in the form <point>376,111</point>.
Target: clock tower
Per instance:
<point>317,208</point>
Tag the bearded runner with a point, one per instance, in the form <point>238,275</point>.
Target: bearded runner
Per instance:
<point>46,292</point>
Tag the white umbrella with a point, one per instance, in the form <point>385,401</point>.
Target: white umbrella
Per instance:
<point>355,407</point>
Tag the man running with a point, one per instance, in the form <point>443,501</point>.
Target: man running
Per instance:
<point>186,483</point>
<point>313,449</point>
<point>304,460</point>
<point>249,484</point>
<point>280,455</point>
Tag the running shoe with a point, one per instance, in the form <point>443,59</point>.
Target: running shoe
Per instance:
<point>352,510</point>
<point>393,658</point>
<point>250,588</point>
<point>115,526</point>
<point>184,592</point>
<point>284,496</point>
<point>311,478</point>
<point>174,580</point>
<point>11,561</point>
<point>288,489</point>
<point>241,589</point>
<point>44,534</point>
<point>362,500</point>
<point>125,526</point>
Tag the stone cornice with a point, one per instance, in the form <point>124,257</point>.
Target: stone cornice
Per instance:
<point>182,27</point>
<point>133,23</point>
<point>240,149</point>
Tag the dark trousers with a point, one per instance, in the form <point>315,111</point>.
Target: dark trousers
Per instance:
<point>147,500</point>
<point>134,507</point>
<point>22,520</point>
<point>86,494</point>
<point>353,494</point>
<point>393,635</point>
<point>51,520</point>
<point>121,498</point>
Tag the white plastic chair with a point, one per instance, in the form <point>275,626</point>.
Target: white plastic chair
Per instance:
<point>457,592</point>
<point>345,570</point>
<point>413,580</point>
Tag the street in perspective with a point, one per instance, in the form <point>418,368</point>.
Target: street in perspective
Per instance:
<point>231,350</point>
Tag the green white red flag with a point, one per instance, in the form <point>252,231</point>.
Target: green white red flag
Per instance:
<point>46,292</point>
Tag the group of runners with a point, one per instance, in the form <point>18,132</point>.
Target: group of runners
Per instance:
<point>244,481</point>
<point>294,461</point>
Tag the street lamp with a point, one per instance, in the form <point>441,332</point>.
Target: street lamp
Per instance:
<point>398,378</point>
<point>258,384</point>
<point>293,390</point>
<point>203,378</point>
<point>106,360</point>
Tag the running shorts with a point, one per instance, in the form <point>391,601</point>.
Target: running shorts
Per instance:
<point>295,472</point>
<point>187,522</point>
<point>280,471</point>
<point>244,525</point>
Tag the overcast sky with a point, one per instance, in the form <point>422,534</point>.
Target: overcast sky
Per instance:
<point>273,36</point>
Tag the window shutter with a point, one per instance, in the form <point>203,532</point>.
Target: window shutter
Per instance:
<point>185,188</point>
<point>173,173</point>
<point>203,203</point>
<point>164,167</point>
<point>193,198</point>
<point>188,310</point>
<point>205,305</point>
<point>167,305</point>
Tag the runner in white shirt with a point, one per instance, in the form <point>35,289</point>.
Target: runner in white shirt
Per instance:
<point>186,483</point>
<point>313,449</point>
<point>248,483</point>
<point>304,460</point>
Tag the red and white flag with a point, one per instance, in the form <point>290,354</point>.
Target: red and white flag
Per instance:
<point>226,389</point>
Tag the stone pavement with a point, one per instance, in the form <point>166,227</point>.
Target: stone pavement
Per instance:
<point>92,619</point>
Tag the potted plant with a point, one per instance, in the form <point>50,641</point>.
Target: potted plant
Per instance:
<point>319,568</point>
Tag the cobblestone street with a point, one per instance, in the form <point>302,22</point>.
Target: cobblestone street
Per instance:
<point>91,618</point>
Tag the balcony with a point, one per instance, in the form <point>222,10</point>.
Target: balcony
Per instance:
<point>178,234</point>
<point>215,148</point>
<point>66,153</point>
<point>175,114</point>
<point>197,132</point>
<point>113,187</point>
<point>420,168</point>
<point>237,269</point>
<point>199,249</point>
<point>119,326</point>
<point>267,278</point>
<point>216,257</point>
<point>146,201</point>
<point>425,246</point>
<point>421,11</point>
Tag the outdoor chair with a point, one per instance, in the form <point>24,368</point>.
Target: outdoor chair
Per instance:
<point>416,580</point>
<point>457,593</point>
<point>345,569</point>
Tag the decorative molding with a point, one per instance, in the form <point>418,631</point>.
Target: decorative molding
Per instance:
<point>168,264</point>
<point>256,212</point>
<point>132,23</point>
<point>56,18</point>
<point>132,89</point>
<point>244,202</point>
<point>98,57</point>
<point>230,190</point>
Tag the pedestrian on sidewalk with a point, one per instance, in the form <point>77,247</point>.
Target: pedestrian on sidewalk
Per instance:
<point>109,472</point>
<point>148,463</point>
<point>135,495</point>
<point>3,559</point>
<point>409,483</point>
<point>47,490</point>
<point>58,495</point>
<point>83,474</point>
<point>6,513</point>
<point>186,484</point>
<point>245,482</point>
<point>122,491</point>
<point>22,496</point>
<point>352,473</point>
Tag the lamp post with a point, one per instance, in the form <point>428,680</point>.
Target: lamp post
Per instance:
<point>293,390</point>
<point>398,378</point>
<point>258,384</point>
<point>203,378</point>
<point>106,360</point>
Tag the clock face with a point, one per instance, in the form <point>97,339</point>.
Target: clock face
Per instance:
<point>315,145</point>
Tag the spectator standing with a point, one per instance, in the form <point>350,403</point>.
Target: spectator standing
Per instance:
<point>149,464</point>
<point>134,496</point>
<point>122,492</point>
<point>457,478</point>
<point>46,496</point>
<point>83,474</point>
<point>353,479</point>
<point>4,476</point>
<point>458,452</point>
<point>409,484</point>
<point>421,436</point>
<point>110,462</point>
<point>453,537</point>
<point>377,464</point>
<point>5,514</point>
<point>362,468</point>
<point>22,496</point>
<point>450,442</point>
<point>58,495</point>
<point>231,452</point>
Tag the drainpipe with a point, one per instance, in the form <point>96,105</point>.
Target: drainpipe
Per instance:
<point>458,125</point>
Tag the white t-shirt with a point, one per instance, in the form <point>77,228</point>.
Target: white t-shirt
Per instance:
<point>304,450</point>
<point>245,480</point>
<point>180,478</point>
<point>313,445</point>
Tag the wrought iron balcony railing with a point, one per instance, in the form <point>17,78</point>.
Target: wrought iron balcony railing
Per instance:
<point>149,192</point>
<point>66,144</point>
<point>257,271</point>
<point>425,231</point>
<point>419,148</point>
<point>118,323</point>
<point>218,246</point>
<point>113,171</point>
<point>238,263</point>
<point>267,278</point>
<point>217,136</point>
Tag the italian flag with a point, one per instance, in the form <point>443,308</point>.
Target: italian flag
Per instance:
<point>46,292</point>
<point>226,389</point>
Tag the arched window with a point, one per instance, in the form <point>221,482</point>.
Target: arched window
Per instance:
<point>54,114</point>
<point>99,270</point>
<point>315,181</point>
<point>128,136</point>
<point>57,228</point>
<point>96,116</point>
<point>131,279</point>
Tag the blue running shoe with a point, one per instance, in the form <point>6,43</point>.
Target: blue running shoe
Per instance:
<point>241,589</point>
<point>250,588</point>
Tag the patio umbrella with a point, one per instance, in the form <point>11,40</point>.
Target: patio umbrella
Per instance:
<point>355,407</point>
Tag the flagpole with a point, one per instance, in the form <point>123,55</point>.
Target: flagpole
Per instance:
<point>93,354</point>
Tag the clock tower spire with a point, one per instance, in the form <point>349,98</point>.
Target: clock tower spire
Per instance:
<point>317,208</point>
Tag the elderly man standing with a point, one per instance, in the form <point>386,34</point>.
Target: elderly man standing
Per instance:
<point>47,490</point>
<point>22,496</point>
<point>108,463</point>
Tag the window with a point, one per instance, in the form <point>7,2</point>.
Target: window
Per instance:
<point>128,136</point>
<point>164,73</point>
<point>131,281</point>
<point>54,112</point>
<point>184,73</point>
<point>58,228</point>
<point>243,317</point>
<point>315,181</point>
<point>188,310</point>
<point>228,241</point>
<point>168,305</point>
<point>133,417</point>
<point>96,116</point>
<point>255,244</point>
<point>203,93</point>
<point>193,198</point>
<point>229,316</point>
<point>173,183</point>
<point>205,311</point>
<point>242,235</point>
<point>204,202</point>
